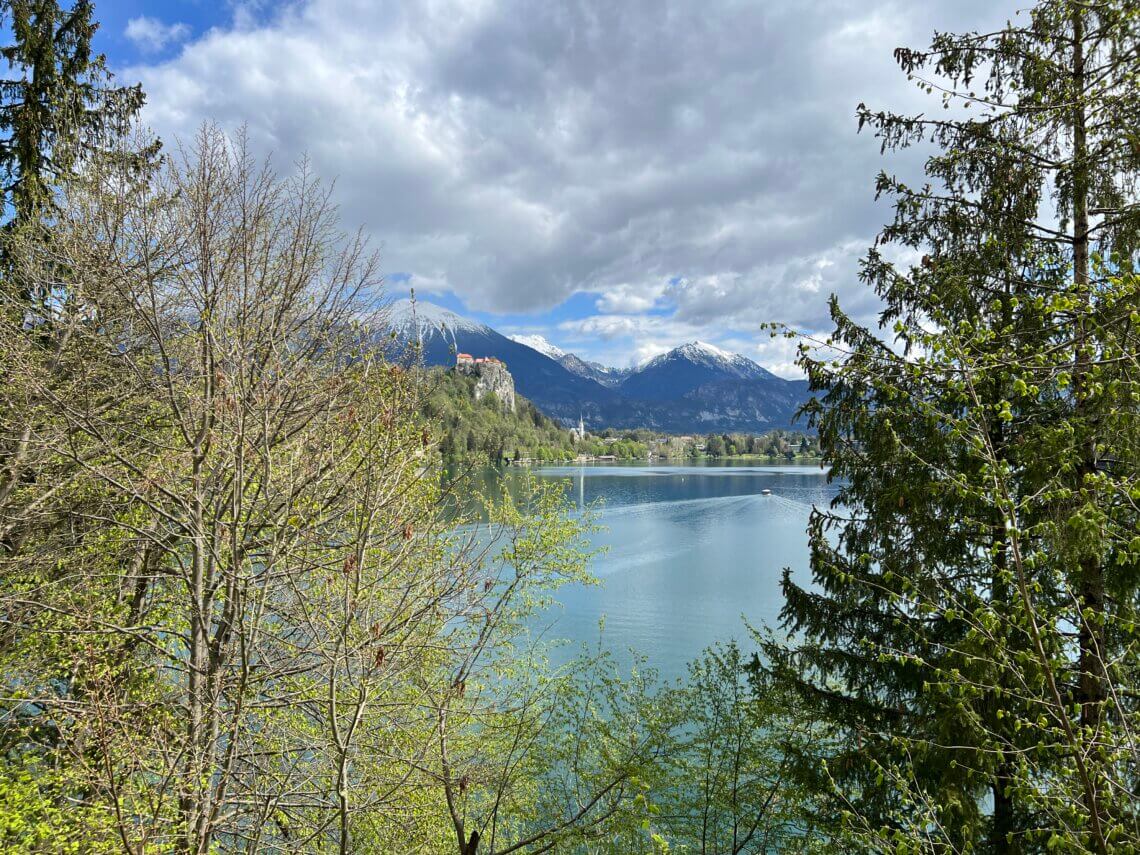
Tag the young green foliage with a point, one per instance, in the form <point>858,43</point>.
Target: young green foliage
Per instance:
<point>960,631</point>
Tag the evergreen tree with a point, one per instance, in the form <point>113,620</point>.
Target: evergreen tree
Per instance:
<point>57,111</point>
<point>930,642</point>
<point>57,106</point>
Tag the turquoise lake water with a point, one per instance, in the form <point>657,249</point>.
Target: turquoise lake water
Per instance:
<point>692,552</point>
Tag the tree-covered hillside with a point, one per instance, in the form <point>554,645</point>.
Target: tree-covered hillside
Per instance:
<point>484,428</point>
<point>474,430</point>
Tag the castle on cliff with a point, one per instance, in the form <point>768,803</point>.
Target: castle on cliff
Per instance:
<point>492,375</point>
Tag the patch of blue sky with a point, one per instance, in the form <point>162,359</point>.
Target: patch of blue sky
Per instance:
<point>170,24</point>
<point>582,304</point>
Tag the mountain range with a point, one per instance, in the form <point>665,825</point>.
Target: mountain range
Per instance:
<point>694,388</point>
<point>597,372</point>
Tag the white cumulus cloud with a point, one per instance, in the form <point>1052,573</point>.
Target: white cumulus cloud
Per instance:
<point>694,159</point>
<point>152,35</point>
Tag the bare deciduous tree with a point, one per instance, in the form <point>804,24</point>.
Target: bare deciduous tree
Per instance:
<point>269,633</point>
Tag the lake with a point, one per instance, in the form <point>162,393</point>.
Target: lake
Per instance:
<point>692,552</point>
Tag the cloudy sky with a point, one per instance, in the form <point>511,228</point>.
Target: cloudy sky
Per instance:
<point>620,177</point>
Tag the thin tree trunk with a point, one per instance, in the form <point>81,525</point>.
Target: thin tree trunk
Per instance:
<point>193,809</point>
<point>1001,833</point>
<point>1091,688</point>
<point>1003,825</point>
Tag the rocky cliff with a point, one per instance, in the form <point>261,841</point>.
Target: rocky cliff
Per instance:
<point>493,376</point>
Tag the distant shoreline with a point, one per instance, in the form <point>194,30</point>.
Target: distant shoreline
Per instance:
<point>751,458</point>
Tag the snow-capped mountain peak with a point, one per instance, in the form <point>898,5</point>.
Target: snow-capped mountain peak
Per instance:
<point>537,342</point>
<point>703,347</point>
<point>412,320</point>
<point>709,356</point>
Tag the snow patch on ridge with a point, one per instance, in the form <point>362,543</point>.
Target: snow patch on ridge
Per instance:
<point>709,348</point>
<point>537,342</point>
